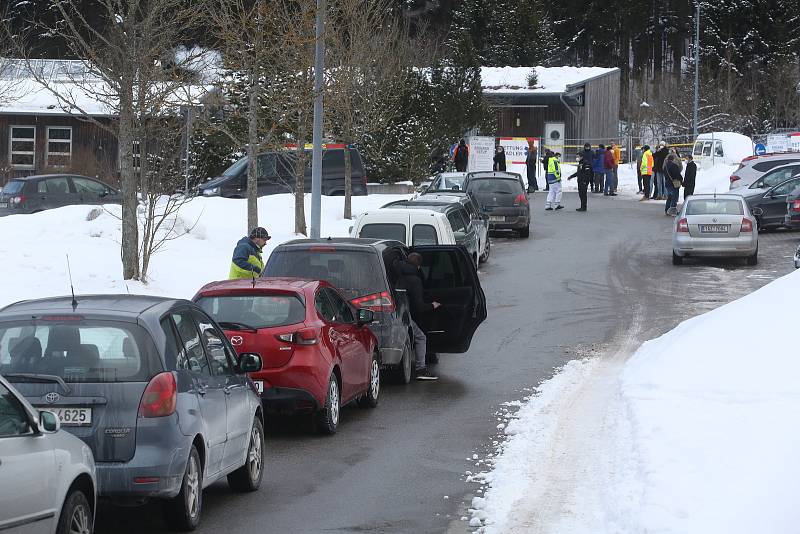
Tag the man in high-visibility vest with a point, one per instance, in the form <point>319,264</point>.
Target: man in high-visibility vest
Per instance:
<point>553,178</point>
<point>246,261</point>
<point>646,170</point>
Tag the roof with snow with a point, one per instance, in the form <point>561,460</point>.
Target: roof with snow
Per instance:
<point>549,80</point>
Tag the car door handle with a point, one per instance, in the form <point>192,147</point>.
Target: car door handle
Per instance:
<point>202,390</point>
<point>228,389</point>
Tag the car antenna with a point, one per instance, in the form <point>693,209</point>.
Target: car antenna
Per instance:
<point>253,277</point>
<point>71,287</point>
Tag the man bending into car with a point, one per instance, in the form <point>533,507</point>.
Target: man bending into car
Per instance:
<point>411,281</point>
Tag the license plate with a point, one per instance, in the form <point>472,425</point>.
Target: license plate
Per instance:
<point>496,218</point>
<point>72,416</point>
<point>3,204</point>
<point>259,385</point>
<point>714,228</point>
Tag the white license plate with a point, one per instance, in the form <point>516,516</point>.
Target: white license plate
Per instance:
<point>496,218</point>
<point>72,416</point>
<point>3,204</point>
<point>714,228</point>
<point>259,386</point>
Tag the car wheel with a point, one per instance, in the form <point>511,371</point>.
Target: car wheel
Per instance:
<point>487,250</point>
<point>76,515</point>
<point>753,260</point>
<point>370,398</point>
<point>183,512</point>
<point>676,260</point>
<point>525,232</point>
<point>402,371</point>
<point>248,477</point>
<point>328,418</point>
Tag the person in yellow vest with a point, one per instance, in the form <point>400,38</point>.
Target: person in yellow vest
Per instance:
<point>617,160</point>
<point>553,178</point>
<point>247,262</point>
<point>646,170</point>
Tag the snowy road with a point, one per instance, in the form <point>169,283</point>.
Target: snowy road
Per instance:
<point>584,283</point>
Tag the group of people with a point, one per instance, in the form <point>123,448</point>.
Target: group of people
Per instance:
<point>664,171</point>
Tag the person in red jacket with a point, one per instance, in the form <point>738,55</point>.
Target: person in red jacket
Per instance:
<point>611,172</point>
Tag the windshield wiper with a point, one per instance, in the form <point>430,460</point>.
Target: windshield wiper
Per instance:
<point>41,378</point>
<point>229,325</point>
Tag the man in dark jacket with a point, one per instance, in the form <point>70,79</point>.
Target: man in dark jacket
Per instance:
<point>246,261</point>
<point>584,174</point>
<point>461,156</point>
<point>672,183</point>
<point>411,281</point>
<point>659,157</point>
<point>545,161</point>
<point>599,168</point>
<point>499,159</point>
<point>689,177</point>
<point>531,163</point>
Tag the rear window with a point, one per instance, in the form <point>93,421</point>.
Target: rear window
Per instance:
<point>393,231</point>
<point>495,186</point>
<point>258,311</point>
<point>354,272</point>
<point>764,166</point>
<point>13,187</point>
<point>455,183</point>
<point>424,234</point>
<point>78,351</point>
<point>698,148</point>
<point>714,207</point>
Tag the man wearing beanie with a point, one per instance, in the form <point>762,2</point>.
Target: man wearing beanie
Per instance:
<point>247,262</point>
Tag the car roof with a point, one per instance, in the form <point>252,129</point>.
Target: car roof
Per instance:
<point>706,196</point>
<point>421,204</point>
<point>115,305</point>
<point>40,176</point>
<point>389,212</point>
<point>452,174</point>
<point>295,285</point>
<point>345,243</point>
<point>436,197</point>
<point>494,174</point>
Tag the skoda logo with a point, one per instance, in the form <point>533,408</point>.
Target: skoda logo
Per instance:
<point>237,341</point>
<point>52,397</point>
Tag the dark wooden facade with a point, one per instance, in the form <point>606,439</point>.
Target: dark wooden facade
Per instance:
<point>93,149</point>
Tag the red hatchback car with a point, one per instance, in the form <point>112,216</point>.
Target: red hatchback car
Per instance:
<point>317,351</point>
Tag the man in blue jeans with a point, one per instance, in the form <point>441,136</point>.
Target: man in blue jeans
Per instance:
<point>611,173</point>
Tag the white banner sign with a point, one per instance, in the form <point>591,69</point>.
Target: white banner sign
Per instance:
<point>481,154</point>
<point>777,143</point>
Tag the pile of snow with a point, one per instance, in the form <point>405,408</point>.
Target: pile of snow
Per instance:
<point>696,433</point>
<point>35,246</point>
<point>548,79</point>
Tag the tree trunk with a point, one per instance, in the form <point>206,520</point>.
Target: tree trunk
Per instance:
<point>300,181</point>
<point>348,182</point>
<point>130,227</point>
<point>252,156</point>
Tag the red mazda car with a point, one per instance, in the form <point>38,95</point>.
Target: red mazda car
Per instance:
<point>318,353</point>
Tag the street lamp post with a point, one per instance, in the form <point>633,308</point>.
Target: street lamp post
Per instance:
<point>696,68</point>
<point>316,155</point>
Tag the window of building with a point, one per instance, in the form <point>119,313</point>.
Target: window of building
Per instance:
<point>59,146</point>
<point>22,147</point>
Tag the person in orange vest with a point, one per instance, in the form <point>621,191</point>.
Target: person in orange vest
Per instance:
<point>646,170</point>
<point>617,160</point>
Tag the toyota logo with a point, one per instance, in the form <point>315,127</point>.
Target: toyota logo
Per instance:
<point>237,341</point>
<point>52,397</point>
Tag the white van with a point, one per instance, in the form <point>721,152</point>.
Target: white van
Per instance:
<point>723,148</point>
<point>412,227</point>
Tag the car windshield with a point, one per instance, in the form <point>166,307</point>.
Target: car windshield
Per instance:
<point>494,185</point>
<point>77,350</point>
<point>13,187</point>
<point>237,168</point>
<point>714,206</point>
<point>354,272</point>
<point>257,311</point>
<point>450,182</point>
<point>394,231</point>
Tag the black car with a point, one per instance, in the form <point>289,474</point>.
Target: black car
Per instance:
<point>770,205</point>
<point>503,198</point>
<point>32,194</point>
<point>276,174</point>
<point>364,271</point>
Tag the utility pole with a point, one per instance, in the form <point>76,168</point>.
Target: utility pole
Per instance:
<point>316,156</point>
<point>696,67</point>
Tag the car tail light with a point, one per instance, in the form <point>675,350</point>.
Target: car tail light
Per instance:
<point>683,225</point>
<point>735,178</point>
<point>796,205</point>
<point>159,397</point>
<point>380,302</point>
<point>747,225</point>
<point>306,336</point>
<point>521,199</point>
<point>19,199</point>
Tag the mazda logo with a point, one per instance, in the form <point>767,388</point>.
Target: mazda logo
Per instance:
<point>52,397</point>
<point>237,341</point>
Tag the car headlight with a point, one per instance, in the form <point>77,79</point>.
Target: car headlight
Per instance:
<point>211,192</point>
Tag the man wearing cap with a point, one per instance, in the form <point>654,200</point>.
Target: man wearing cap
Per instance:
<point>247,262</point>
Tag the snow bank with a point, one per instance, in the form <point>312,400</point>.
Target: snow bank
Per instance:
<point>549,79</point>
<point>35,246</point>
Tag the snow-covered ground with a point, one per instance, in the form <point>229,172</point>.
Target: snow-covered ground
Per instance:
<point>34,247</point>
<point>695,433</point>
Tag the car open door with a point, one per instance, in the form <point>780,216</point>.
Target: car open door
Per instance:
<point>450,278</point>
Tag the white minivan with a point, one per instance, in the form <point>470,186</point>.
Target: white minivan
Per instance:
<point>411,227</point>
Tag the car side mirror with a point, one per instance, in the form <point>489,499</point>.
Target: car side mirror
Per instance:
<point>460,235</point>
<point>49,422</point>
<point>365,317</point>
<point>249,362</point>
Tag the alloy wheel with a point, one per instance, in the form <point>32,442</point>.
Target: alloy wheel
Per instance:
<point>375,379</point>
<point>333,395</point>
<point>192,487</point>
<point>80,522</point>
<point>254,455</point>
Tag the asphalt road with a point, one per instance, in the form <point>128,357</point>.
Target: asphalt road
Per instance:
<point>571,289</point>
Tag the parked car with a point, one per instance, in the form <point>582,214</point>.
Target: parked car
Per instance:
<point>715,226</point>
<point>364,272</point>
<point>409,226</point>
<point>150,384</point>
<point>470,228</point>
<point>276,174</point>
<point>754,167</point>
<point>725,148</point>
<point>504,200</point>
<point>769,204</point>
<point>318,353</point>
<point>449,181</point>
<point>33,194</point>
<point>47,479</point>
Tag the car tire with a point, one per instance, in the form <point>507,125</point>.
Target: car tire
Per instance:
<point>76,515</point>
<point>182,513</point>
<point>248,477</point>
<point>486,251</point>
<point>525,232</point>
<point>370,398</point>
<point>753,260</point>
<point>328,417</point>
<point>402,372</point>
<point>676,260</point>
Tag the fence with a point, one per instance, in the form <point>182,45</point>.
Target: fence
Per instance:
<point>572,147</point>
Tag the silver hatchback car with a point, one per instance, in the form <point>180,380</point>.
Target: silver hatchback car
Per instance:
<point>715,226</point>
